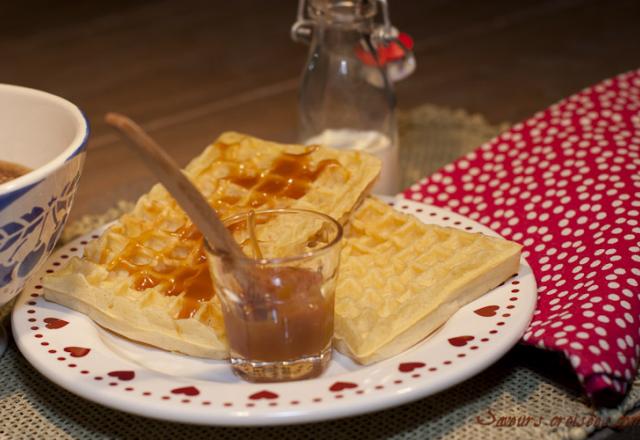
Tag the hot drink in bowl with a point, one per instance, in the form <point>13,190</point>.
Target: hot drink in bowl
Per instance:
<point>10,171</point>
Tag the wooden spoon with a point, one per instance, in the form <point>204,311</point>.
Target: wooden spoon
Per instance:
<point>186,194</point>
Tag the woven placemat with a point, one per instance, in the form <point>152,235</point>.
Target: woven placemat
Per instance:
<point>527,394</point>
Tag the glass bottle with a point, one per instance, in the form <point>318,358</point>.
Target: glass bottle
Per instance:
<point>346,95</point>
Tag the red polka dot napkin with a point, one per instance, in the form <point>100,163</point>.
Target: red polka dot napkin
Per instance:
<point>566,185</point>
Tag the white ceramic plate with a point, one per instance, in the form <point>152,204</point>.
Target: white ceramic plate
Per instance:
<point>72,351</point>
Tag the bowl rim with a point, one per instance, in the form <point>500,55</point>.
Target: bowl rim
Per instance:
<point>76,146</point>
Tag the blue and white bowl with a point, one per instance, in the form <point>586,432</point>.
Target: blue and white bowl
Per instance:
<point>47,134</point>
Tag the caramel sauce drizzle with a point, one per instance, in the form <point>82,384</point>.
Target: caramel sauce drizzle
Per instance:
<point>290,176</point>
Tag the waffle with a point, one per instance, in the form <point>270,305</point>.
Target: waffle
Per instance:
<point>147,278</point>
<point>400,279</point>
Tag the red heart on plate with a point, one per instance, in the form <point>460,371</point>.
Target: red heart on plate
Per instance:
<point>122,375</point>
<point>264,394</point>
<point>487,311</point>
<point>77,352</point>
<point>339,386</point>
<point>54,323</point>
<point>187,391</point>
<point>460,341</point>
<point>408,367</point>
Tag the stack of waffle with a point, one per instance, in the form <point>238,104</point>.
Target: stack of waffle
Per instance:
<point>146,277</point>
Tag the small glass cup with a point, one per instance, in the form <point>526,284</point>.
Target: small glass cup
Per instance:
<point>279,325</point>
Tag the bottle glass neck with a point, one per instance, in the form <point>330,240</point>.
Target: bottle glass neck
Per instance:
<point>344,12</point>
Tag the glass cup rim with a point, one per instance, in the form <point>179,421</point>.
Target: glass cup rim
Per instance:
<point>280,260</point>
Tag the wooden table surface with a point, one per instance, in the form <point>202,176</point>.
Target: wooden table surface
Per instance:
<point>189,69</point>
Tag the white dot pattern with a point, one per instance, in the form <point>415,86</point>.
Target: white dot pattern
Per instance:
<point>566,185</point>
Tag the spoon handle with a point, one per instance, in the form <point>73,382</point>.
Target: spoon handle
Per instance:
<point>179,186</point>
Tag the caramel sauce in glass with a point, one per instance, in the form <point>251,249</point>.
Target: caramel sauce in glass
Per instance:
<point>282,315</point>
<point>289,176</point>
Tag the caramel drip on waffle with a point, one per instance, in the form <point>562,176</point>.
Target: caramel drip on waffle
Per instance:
<point>290,176</point>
